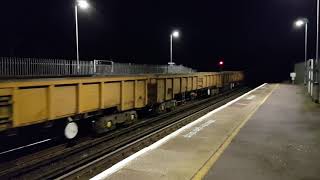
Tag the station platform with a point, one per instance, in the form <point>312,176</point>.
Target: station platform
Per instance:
<point>279,139</point>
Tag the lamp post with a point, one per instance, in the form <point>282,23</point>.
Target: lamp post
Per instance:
<point>299,23</point>
<point>174,34</point>
<point>82,4</point>
<point>317,55</point>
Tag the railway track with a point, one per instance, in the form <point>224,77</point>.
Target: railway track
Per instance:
<point>89,156</point>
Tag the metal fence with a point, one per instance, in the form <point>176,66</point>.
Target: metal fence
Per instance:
<point>31,67</point>
<point>128,68</point>
<point>312,82</point>
<point>310,78</point>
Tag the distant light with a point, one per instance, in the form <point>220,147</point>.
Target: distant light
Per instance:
<point>83,4</point>
<point>175,34</point>
<point>221,63</point>
<point>300,22</point>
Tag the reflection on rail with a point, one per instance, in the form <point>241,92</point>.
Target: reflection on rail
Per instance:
<point>23,147</point>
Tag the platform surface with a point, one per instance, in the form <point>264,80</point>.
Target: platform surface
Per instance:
<point>280,142</point>
<point>280,134</point>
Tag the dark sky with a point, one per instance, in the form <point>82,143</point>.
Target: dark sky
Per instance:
<point>252,35</point>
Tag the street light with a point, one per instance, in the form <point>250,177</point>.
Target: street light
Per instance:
<point>174,34</point>
<point>82,4</point>
<point>299,23</point>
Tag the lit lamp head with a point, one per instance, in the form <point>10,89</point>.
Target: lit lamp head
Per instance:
<point>300,22</point>
<point>83,4</point>
<point>175,34</point>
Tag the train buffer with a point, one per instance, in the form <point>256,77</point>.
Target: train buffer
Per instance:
<point>272,132</point>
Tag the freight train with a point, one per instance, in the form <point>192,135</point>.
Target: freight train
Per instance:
<point>104,101</point>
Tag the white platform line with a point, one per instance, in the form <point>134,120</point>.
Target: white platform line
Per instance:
<point>155,145</point>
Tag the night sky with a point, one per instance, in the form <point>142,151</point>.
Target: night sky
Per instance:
<point>251,35</point>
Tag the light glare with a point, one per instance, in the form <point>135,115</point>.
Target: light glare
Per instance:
<point>176,34</point>
<point>83,4</point>
<point>299,23</point>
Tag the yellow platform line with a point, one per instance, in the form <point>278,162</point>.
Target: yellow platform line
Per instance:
<point>207,166</point>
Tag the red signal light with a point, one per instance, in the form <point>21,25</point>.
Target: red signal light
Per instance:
<point>221,63</point>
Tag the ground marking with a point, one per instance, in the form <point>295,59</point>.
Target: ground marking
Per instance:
<point>241,104</point>
<point>198,129</point>
<point>251,97</point>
